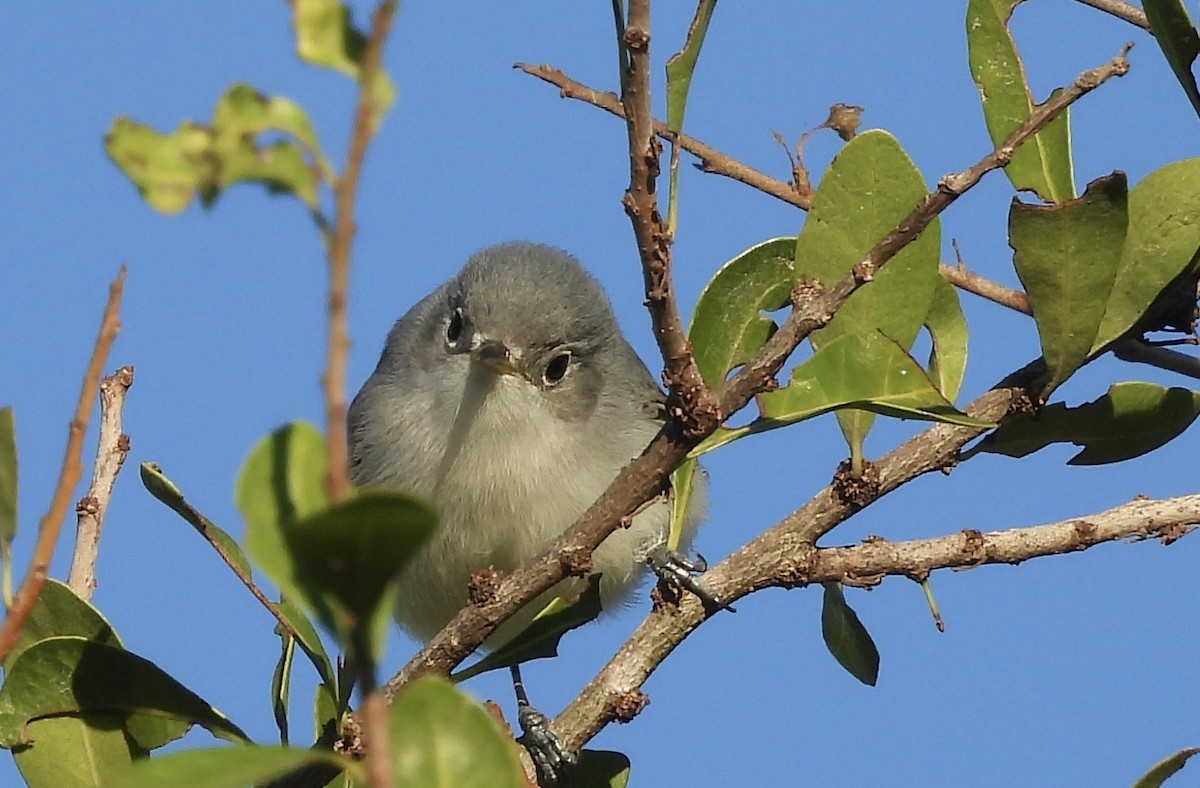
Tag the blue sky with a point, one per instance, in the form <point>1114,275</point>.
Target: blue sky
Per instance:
<point>1069,670</point>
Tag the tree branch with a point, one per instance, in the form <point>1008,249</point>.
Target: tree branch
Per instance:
<point>711,159</point>
<point>111,448</point>
<point>1121,10</point>
<point>72,470</point>
<point>790,562</point>
<point>569,554</point>
<point>333,381</point>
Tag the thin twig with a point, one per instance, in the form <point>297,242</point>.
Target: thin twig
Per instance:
<point>814,306</point>
<point>711,159</point>
<point>333,381</point>
<point>1121,10</point>
<point>68,478</point>
<point>963,279</point>
<point>112,446</point>
<point>642,478</point>
<point>689,393</point>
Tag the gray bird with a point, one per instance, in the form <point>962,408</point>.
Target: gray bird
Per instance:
<point>509,399</point>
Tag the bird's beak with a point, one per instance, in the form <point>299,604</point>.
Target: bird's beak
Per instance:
<point>495,355</point>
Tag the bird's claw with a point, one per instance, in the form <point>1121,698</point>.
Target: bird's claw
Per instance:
<point>552,759</point>
<point>679,571</point>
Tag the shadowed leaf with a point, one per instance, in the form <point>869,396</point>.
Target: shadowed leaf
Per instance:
<point>540,639</point>
<point>601,769</point>
<point>682,64</point>
<point>69,675</point>
<point>89,750</point>
<point>846,638</point>
<point>1160,245</point>
<point>230,767</point>
<point>1067,257</point>
<point>60,611</point>
<point>1133,418</point>
<point>347,556</point>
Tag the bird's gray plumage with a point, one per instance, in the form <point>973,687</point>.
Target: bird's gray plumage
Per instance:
<point>510,400</point>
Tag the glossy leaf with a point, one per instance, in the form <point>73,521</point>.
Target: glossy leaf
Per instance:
<point>540,639</point>
<point>162,488</point>
<point>282,481</point>
<point>1162,771</point>
<point>166,169</point>
<point>846,638</point>
<point>90,750</point>
<point>441,738</point>
<point>69,675</point>
<point>1043,164</point>
<point>347,556</point>
<point>948,329</point>
<point>1067,257</point>
<point>326,37</point>
<point>230,767</point>
<point>1133,418</point>
<point>866,371</point>
<point>601,769</point>
<point>60,611</point>
<point>683,487</point>
<point>869,188</point>
<point>1177,38</point>
<point>728,326</point>
<point>8,480</point>
<point>1160,245</point>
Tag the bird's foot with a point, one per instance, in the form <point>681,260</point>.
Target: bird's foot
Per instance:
<point>679,571</point>
<point>552,759</point>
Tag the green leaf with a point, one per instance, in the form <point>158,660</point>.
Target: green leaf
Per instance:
<point>1178,40</point>
<point>70,675</point>
<point>281,683</point>
<point>281,481</point>
<point>91,749</point>
<point>682,64</point>
<point>1067,257</point>
<point>683,485</point>
<point>8,480</point>
<point>866,371</point>
<point>869,188</point>
<point>1043,164</point>
<point>1160,772</point>
<point>728,326</point>
<point>59,611</point>
<point>948,329</point>
<point>1133,418</point>
<point>346,558</point>
<point>1160,245</point>
<point>601,769</point>
<point>846,638</point>
<point>162,488</point>
<point>540,639</point>
<point>230,767</point>
<point>309,642</point>
<point>166,169</point>
<point>440,738</point>
<point>325,37</point>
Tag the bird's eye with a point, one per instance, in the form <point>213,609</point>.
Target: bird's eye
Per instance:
<point>454,326</point>
<point>557,368</point>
